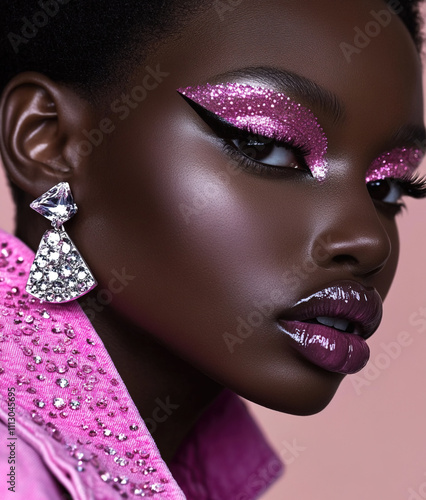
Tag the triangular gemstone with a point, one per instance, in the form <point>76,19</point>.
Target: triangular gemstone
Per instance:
<point>59,273</point>
<point>57,204</point>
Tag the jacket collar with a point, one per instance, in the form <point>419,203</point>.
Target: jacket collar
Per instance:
<point>72,406</point>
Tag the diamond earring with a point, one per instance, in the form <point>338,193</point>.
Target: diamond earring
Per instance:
<point>59,273</point>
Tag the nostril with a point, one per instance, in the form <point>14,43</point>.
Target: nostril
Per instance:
<point>345,258</point>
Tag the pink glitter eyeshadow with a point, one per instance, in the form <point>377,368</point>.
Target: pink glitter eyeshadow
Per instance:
<point>266,112</point>
<point>396,163</point>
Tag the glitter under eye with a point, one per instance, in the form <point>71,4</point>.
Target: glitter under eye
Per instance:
<point>397,163</point>
<point>268,113</point>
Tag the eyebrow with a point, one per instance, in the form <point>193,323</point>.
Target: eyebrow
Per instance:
<point>282,81</point>
<point>315,96</point>
<point>411,135</point>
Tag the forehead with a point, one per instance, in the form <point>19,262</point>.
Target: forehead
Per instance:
<point>363,53</point>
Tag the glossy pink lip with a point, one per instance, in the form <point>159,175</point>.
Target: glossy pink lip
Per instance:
<point>328,347</point>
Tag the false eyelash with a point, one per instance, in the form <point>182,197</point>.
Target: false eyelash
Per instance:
<point>412,185</point>
<point>232,132</point>
<point>225,131</point>
<point>246,163</point>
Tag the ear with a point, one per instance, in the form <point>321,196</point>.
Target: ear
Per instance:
<point>40,126</point>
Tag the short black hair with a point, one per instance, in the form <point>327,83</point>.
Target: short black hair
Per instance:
<point>409,12</point>
<point>90,44</point>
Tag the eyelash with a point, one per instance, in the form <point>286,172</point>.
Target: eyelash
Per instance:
<point>226,132</point>
<point>247,163</point>
<point>410,185</point>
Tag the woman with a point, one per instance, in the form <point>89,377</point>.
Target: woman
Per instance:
<point>237,209</point>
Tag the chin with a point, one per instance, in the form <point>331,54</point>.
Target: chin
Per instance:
<point>307,395</point>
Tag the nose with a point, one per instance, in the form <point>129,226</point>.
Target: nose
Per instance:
<point>351,235</point>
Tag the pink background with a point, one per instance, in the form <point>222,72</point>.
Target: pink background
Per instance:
<point>370,442</point>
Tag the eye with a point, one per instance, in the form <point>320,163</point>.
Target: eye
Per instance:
<point>270,152</point>
<point>385,190</point>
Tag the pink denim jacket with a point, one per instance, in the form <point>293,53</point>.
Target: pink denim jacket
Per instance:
<point>69,428</point>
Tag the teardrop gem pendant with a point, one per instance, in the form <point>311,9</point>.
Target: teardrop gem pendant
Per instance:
<point>59,273</point>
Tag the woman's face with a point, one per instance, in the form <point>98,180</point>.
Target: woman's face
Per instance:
<point>212,254</point>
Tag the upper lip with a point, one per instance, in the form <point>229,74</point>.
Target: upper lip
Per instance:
<point>347,300</point>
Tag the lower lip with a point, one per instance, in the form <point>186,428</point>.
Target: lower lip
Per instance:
<point>327,347</point>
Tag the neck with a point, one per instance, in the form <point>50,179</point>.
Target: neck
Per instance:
<point>169,393</point>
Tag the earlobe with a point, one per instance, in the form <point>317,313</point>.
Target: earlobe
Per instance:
<point>37,121</point>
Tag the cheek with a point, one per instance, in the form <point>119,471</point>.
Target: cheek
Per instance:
<point>196,236</point>
<point>203,244</point>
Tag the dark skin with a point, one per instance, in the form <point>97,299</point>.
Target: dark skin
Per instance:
<point>164,330</point>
